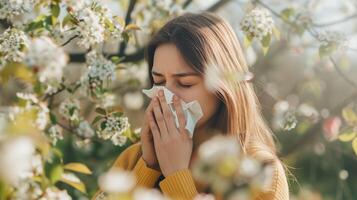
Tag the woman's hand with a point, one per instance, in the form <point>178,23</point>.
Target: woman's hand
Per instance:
<point>147,142</point>
<point>173,146</point>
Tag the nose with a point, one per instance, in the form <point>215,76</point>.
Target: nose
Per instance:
<point>171,86</point>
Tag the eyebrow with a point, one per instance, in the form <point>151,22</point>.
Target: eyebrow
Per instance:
<point>178,74</point>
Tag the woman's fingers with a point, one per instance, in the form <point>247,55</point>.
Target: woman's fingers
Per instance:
<point>180,114</point>
<point>153,127</point>
<point>167,113</point>
<point>160,121</point>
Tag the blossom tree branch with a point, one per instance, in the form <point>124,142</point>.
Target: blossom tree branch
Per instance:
<point>339,21</point>
<point>139,54</point>
<point>131,7</point>
<point>313,132</point>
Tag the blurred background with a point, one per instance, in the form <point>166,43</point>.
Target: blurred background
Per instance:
<point>305,78</point>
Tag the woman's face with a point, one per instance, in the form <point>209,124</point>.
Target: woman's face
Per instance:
<point>170,70</point>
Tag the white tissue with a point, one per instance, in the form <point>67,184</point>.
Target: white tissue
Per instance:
<point>192,110</point>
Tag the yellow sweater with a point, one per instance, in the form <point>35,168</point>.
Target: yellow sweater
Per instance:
<point>180,185</point>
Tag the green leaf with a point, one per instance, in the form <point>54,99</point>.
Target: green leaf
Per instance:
<point>276,33</point>
<point>247,42</point>
<point>55,173</point>
<point>265,50</point>
<point>71,111</point>
<point>349,116</point>
<point>116,59</point>
<point>96,119</point>
<point>101,111</point>
<point>55,10</point>
<point>53,167</point>
<point>130,27</point>
<point>77,185</point>
<point>347,135</point>
<point>17,70</point>
<point>53,118</point>
<point>354,145</point>
<point>78,167</point>
<point>103,125</point>
<point>326,50</point>
<point>68,20</point>
<point>266,40</point>
<point>287,13</point>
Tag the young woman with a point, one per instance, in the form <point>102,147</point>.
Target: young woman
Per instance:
<point>178,56</point>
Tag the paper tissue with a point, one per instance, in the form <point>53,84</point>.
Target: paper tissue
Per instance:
<point>192,110</point>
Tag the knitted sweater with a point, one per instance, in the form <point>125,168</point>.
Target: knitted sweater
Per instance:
<point>181,185</point>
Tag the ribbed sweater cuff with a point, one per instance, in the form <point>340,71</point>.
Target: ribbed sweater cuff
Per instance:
<point>179,185</point>
<point>145,176</point>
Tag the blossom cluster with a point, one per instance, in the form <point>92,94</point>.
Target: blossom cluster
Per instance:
<point>257,24</point>
<point>46,58</point>
<point>113,127</point>
<point>333,38</point>
<point>95,23</point>
<point>225,169</point>
<point>13,8</point>
<point>101,71</point>
<point>13,44</point>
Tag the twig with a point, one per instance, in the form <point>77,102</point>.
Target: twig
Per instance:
<point>127,21</point>
<point>348,80</point>
<point>68,41</point>
<point>339,21</point>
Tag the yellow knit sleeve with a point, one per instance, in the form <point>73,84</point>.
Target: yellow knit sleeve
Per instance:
<point>145,176</point>
<point>179,185</point>
<point>279,189</point>
<point>130,159</point>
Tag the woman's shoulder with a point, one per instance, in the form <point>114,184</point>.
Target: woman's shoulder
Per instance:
<point>279,189</point>
<point>129,157</point>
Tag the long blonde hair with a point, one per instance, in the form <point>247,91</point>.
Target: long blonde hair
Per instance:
<point>205,41</point>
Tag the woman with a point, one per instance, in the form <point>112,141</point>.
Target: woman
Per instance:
<point>179,56</point>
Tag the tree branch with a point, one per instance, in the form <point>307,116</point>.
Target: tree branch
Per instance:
<point>344,76</point>
<point>127,21</point>
<point>339,21</point>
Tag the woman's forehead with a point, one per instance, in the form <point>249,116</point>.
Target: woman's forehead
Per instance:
<point>168,60</point>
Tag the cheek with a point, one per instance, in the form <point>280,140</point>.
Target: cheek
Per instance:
<point>209,104</point>
<point>208,101</point>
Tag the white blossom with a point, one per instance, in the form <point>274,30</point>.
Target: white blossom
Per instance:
<point>13,8</point>
<point>218,146</point>
<point>56,133</point>
<point>90,28</point>
<point>216,76</point>
<point>16,155</point>
<point>85,130</point>
<point>46,58</point>
<point>114,126</point>
<point>133,100</point>
<point>258,23</point>
<point>69,109</point>
<point>13,45</point>
<point>148,194</point>
<point>117,181</point>
<point>42,116</point>
<point>119,139</point>
<point>335,38</point>
<point>100,73</point>
<point>76,5</point>
<point>107,100</point>
<point>30,97</point>
<point>55,194</point>
<point>27,189</point>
